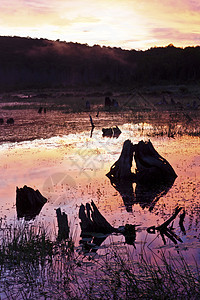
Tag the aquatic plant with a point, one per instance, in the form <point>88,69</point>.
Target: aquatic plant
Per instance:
<point>32,266</point>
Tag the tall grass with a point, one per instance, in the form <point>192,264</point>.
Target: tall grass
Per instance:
<point>33,266</point>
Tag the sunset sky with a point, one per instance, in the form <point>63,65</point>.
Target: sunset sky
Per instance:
<point>129,24</point>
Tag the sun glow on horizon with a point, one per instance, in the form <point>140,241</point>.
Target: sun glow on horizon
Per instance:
<point>127,24</point>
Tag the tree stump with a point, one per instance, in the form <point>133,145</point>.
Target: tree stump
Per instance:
<point>93,221</point>
<point>63,227</point>
<point>29,202</point>
<point>121,169</point>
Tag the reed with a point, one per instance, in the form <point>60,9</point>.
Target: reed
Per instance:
<point>34,265</point>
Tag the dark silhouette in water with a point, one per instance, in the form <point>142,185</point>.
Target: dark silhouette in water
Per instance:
<point>92,124</point>
<point>153,177</point>
<point>145,196</point>
<point>95,228</point>
<point>40,110</point>
<point>125,188</point>
<point>148,196</point>
<point>10,121</point>
<point>108,102</point>
<point>164,230</point>
<point>92,220</point>
<point>111,132</point>
<point>63,227</point>
<point>151,167</point>
<point>87,105</point>
<point>28,202</point>
<point>1,121</point>
<point>181,221</point>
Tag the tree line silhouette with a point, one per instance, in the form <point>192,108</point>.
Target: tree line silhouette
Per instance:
<point>41,63</point>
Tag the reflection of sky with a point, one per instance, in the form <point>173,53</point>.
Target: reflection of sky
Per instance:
<point>70,170</point>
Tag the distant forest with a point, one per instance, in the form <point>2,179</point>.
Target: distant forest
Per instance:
<point>40,63</point>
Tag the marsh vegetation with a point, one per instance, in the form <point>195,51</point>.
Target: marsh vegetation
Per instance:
<point>56,153</point>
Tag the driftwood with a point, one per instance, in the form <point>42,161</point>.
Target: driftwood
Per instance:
<point>28,202</point>
<point>130,234</point>
<point>163,229</point>
<point>151,168</point>
<point>107,132</point>
<point>63,227</point>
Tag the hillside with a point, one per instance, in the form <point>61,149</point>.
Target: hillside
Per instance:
<point>40,63</point>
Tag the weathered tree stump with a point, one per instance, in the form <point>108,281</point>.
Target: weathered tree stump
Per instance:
<point>121,169</point>
<point>40,110</point>
<point>92,220</point>
<point>28,202</point>
<point>63,227</point>
<point>151,167</point>
<point>111,132</point>
<point>10,121</point>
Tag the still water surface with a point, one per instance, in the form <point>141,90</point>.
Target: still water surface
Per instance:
<point>55,154</point>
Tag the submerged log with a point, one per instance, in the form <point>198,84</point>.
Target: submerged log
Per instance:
<point>63,227</point>
<point>28,202</point>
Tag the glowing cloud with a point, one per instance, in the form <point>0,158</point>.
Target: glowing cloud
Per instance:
<point>128,24</point>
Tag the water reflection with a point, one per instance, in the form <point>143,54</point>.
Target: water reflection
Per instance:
<point>145,196</point>
<point>64,154</point>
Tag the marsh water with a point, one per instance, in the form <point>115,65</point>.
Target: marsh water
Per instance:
<point>56,154</point>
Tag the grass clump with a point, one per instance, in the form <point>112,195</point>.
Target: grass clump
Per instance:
<point>25,243</point>
<point>32,266</point>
